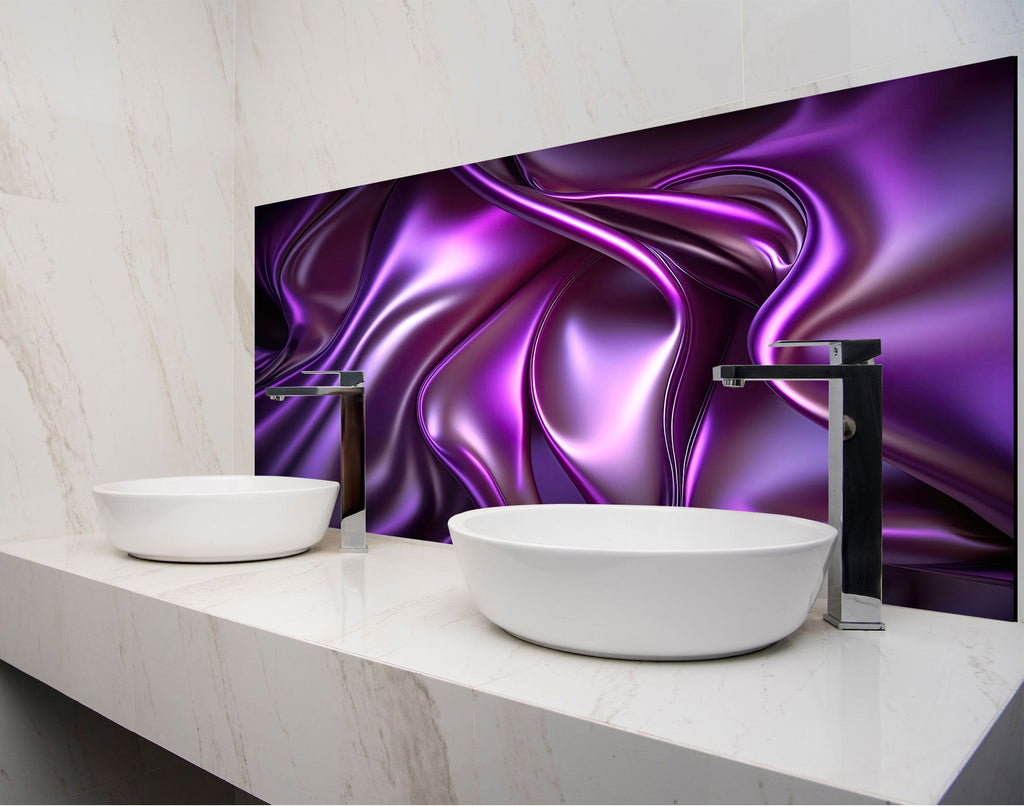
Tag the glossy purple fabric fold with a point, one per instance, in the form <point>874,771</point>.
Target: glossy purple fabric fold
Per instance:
<point>543,327</point>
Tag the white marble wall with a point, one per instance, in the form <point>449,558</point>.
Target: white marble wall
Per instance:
<point>116,311</point>
<point>335,94</point>
<point>331,94</point>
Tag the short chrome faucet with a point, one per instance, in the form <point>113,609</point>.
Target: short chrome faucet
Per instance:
<point>351,389</point>
<point>854,470</point>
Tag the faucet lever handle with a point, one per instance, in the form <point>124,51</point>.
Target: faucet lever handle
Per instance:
<point>841,351</point>
<point>345,377</point>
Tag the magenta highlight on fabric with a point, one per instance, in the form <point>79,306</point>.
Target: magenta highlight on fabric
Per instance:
<point>541,328</point>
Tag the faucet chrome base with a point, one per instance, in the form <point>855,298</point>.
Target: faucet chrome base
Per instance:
<point>853,625</point>
<point>353,531</point>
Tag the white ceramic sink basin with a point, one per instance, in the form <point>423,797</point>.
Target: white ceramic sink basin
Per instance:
<point>642,582</point>
<point>208,519</point>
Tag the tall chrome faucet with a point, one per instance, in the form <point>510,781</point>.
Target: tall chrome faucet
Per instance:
<point>854,469</point>
<point>351,389</point>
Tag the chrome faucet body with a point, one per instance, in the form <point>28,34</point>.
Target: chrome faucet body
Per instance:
<point>351,389</point>
<point>854,470</point>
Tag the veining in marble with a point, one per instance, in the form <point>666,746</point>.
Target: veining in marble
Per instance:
<point>116,196</point>
<point>91,383</point>
<point>284,719</point>
<point>243,351</point>
<point>101,110</point>
<point>267,641</point>
<point>579,762</point>
<point>459,82</point>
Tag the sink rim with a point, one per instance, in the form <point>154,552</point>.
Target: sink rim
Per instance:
<point>826,532</point>
<point>262,485</point>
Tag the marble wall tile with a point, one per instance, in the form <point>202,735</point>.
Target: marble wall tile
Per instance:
<point>243,347</point>
<point>341,94</point>
<point>120,106</point>
<point>115,350</point>
<point>510,77</point>
<point>798,42</point>
<point>116,314</point>
<point>1009,45</point>
<point>323,86</point>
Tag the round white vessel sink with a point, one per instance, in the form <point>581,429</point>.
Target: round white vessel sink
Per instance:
<point>209,519</point>
<point>642,582</point>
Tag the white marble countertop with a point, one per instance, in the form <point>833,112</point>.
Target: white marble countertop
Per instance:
<point>273,674</point>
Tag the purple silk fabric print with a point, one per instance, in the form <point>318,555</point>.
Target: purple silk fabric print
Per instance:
<point>542,328</point>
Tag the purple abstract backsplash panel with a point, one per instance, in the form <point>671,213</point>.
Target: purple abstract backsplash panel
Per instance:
<point>542,328</point>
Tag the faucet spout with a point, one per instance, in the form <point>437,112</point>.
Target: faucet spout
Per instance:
<point>854,469</point>
<point>352,391</point>
<point>736,375</point>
